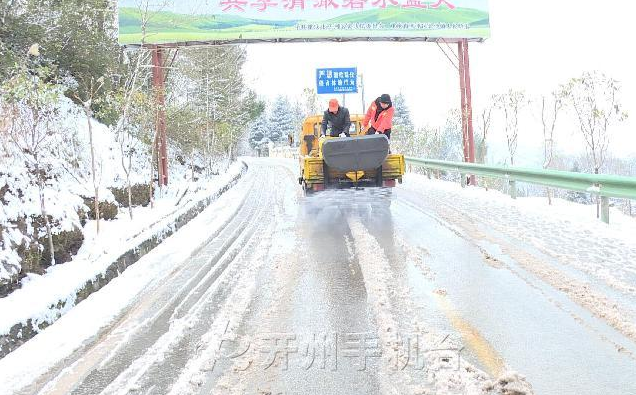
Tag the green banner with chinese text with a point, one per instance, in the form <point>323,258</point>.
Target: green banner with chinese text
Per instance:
<point>199,21</point>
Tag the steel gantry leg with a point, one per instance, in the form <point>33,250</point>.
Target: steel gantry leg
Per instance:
<point>158,82</point>
<point>466,104</point>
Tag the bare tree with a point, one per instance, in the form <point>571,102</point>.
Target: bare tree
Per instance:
<point>484,120</point>
<point>130,95</point>
<point>511,103</point>
<point>594,100</point>
<point>310,102</point>
<point>91,89</point>
<point>549,109</point>
<point>34,114</point>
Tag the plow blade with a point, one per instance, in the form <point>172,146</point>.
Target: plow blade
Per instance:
<point>354,154</point>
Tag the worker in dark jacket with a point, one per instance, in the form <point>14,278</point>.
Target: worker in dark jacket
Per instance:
<point>338,118</point>
<point>379,117</point>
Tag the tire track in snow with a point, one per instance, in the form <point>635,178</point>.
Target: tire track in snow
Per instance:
<point>224,312</point>
<point>163,361</point>
<point>438,378</point>
<point>61,377</point>
<point>127,331</point>
<point>201,364</point>
<point>279,271</point>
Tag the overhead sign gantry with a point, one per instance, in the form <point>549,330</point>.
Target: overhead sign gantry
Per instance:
<point>164,24</point>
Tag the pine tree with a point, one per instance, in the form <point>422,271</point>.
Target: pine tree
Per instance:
<point>259,131</point>
<point>210,82</point>
<point>281,120</point>
<point>451,139</point>
<point>402,115</point>
<point>310,102</point>
<point>403,131</point>
<point>299,117</point>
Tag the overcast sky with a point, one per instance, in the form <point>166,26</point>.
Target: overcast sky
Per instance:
<point>535,46</point>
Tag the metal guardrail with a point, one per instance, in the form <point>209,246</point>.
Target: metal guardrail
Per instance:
<point>603,185</point>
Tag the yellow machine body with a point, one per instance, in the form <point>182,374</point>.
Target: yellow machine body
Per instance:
<point>313,168</point>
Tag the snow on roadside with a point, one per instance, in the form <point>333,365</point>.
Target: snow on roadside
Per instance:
<point>58,341</point>
<point>61,282</point>
<point>65,156</point>
<point>593,263</point>
<point>569,232</point>
<point>621,226</point>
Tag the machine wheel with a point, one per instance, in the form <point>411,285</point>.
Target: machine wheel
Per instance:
<point>378,176</point>
<point>325,174</point>
<point>307,191</point>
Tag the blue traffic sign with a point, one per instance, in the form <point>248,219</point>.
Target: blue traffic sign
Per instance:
<point>337,80</point>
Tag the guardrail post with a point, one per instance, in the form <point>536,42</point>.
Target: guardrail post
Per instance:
<point>513,189</point>
<point>463,181</point>
<point>605,209</point>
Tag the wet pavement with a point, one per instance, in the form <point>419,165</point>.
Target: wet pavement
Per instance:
<point>348,292</point>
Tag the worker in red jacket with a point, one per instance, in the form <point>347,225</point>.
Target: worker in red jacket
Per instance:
<point>380,116</point>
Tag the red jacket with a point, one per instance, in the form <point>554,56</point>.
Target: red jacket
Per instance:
<point>384,121</point>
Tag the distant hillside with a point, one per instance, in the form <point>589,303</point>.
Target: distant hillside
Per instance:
<point>399,14</point>
<point>130,22</point>
<point>173,27</point>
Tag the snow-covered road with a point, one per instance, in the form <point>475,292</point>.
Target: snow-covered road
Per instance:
<point>424,289</point>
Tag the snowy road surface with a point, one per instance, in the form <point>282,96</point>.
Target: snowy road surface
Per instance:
<point>424,289</point>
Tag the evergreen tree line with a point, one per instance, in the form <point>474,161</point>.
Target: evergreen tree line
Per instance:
<point>279,124</point>
<point>74,45</point>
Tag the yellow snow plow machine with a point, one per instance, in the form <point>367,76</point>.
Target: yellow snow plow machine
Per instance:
<point>346,162</point>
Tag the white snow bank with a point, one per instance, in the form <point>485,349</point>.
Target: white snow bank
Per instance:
<point>592,262</point>
<point>65,157</point>
<point>621,226</point>
<point>61,282</point>
<point>80,324</point>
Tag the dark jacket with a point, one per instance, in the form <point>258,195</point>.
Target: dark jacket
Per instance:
<point>340,122</point>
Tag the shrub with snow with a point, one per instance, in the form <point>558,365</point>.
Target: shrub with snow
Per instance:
<point>63,164</point>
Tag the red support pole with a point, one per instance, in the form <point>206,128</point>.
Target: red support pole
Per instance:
<point>158,83</point>
<point>467,105</point>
